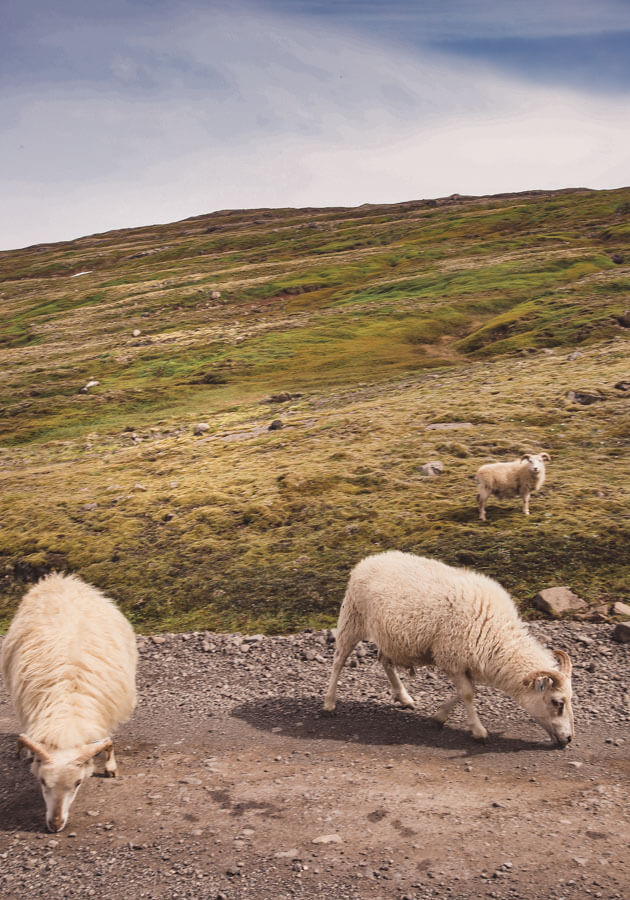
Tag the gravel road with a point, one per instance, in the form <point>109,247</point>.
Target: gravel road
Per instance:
<point>234,785</point>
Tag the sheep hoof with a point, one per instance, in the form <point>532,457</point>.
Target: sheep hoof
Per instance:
<point>480,735</point>
<point>406,701</point>
<point>329,707</point>
<point>439,722</point>
<point>111,773</point>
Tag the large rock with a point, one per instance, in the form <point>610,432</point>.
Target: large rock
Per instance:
<point>585,398</point>
<point>433,468</point>
<point>621,609</point>
<point>621,633</point>
<point>559,600</point>
<point>282,397</point>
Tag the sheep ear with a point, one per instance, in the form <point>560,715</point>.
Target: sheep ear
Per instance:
<point>564,663</point>
<point>525,456</point>
<point>543,683</point>
<point>540,681</point>
<point>546,457</point>
<point>88,751</point>
<point>36,749</point>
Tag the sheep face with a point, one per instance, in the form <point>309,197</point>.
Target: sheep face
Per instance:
<point>60,774</point>
<point>547,698</point>
<point>60,780</point>
<point>536,462</point>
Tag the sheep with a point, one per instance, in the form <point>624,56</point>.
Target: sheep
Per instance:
<point>69,662</point>
<point>521,477</point>
<point>419,611</point>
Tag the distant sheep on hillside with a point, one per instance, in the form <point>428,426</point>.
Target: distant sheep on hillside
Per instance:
<point>69,663</point>
<point>420,611</point>
<point>518,478</point>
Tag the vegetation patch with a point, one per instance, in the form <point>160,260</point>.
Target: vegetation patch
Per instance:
<point>373,324</point>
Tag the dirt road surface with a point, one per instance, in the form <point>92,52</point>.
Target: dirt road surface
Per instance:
<point>233,784</point>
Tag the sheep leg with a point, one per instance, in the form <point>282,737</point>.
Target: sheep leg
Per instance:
<point>482,499</point>
<point>526,504</point>
<point>465,689</point>
<point>443,712</point>
<point>346,642</point>
<point>398,687</point>
<point>111,768</point>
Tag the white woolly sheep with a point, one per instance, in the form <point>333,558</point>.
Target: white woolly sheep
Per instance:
<point>518,478</point>
<point>69,663</point>
<point>420,611</point>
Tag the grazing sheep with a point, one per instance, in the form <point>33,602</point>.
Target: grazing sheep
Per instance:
<point>69,663</point>
<point>521,477</point>
<point>420,611</point>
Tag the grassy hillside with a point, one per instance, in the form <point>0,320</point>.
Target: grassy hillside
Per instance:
<point>374,324</point>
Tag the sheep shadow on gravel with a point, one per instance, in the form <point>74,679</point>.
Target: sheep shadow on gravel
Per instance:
<point>21,804</point>
<point>370,723</point>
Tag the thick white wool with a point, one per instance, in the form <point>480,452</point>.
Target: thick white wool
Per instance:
<point>421,611</point>
<point>69,663</point>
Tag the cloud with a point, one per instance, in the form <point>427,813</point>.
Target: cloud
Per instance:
<point>233,110</point>
<point>436,20</point>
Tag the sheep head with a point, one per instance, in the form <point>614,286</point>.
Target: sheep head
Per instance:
<point>547,698</point>
<point>536,461</point>
<point>60,774</point>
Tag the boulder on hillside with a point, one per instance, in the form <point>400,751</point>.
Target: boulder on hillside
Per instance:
<point>559,600</point>
<point>432,469</point>
<point>621,609</point>
<point>621,633</point>
<point>585,398</point>
<point>282,397</point>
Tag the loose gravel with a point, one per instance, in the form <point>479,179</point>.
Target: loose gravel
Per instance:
<point>233,784</point>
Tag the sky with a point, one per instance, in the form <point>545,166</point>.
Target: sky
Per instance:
<point>132,112</point>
